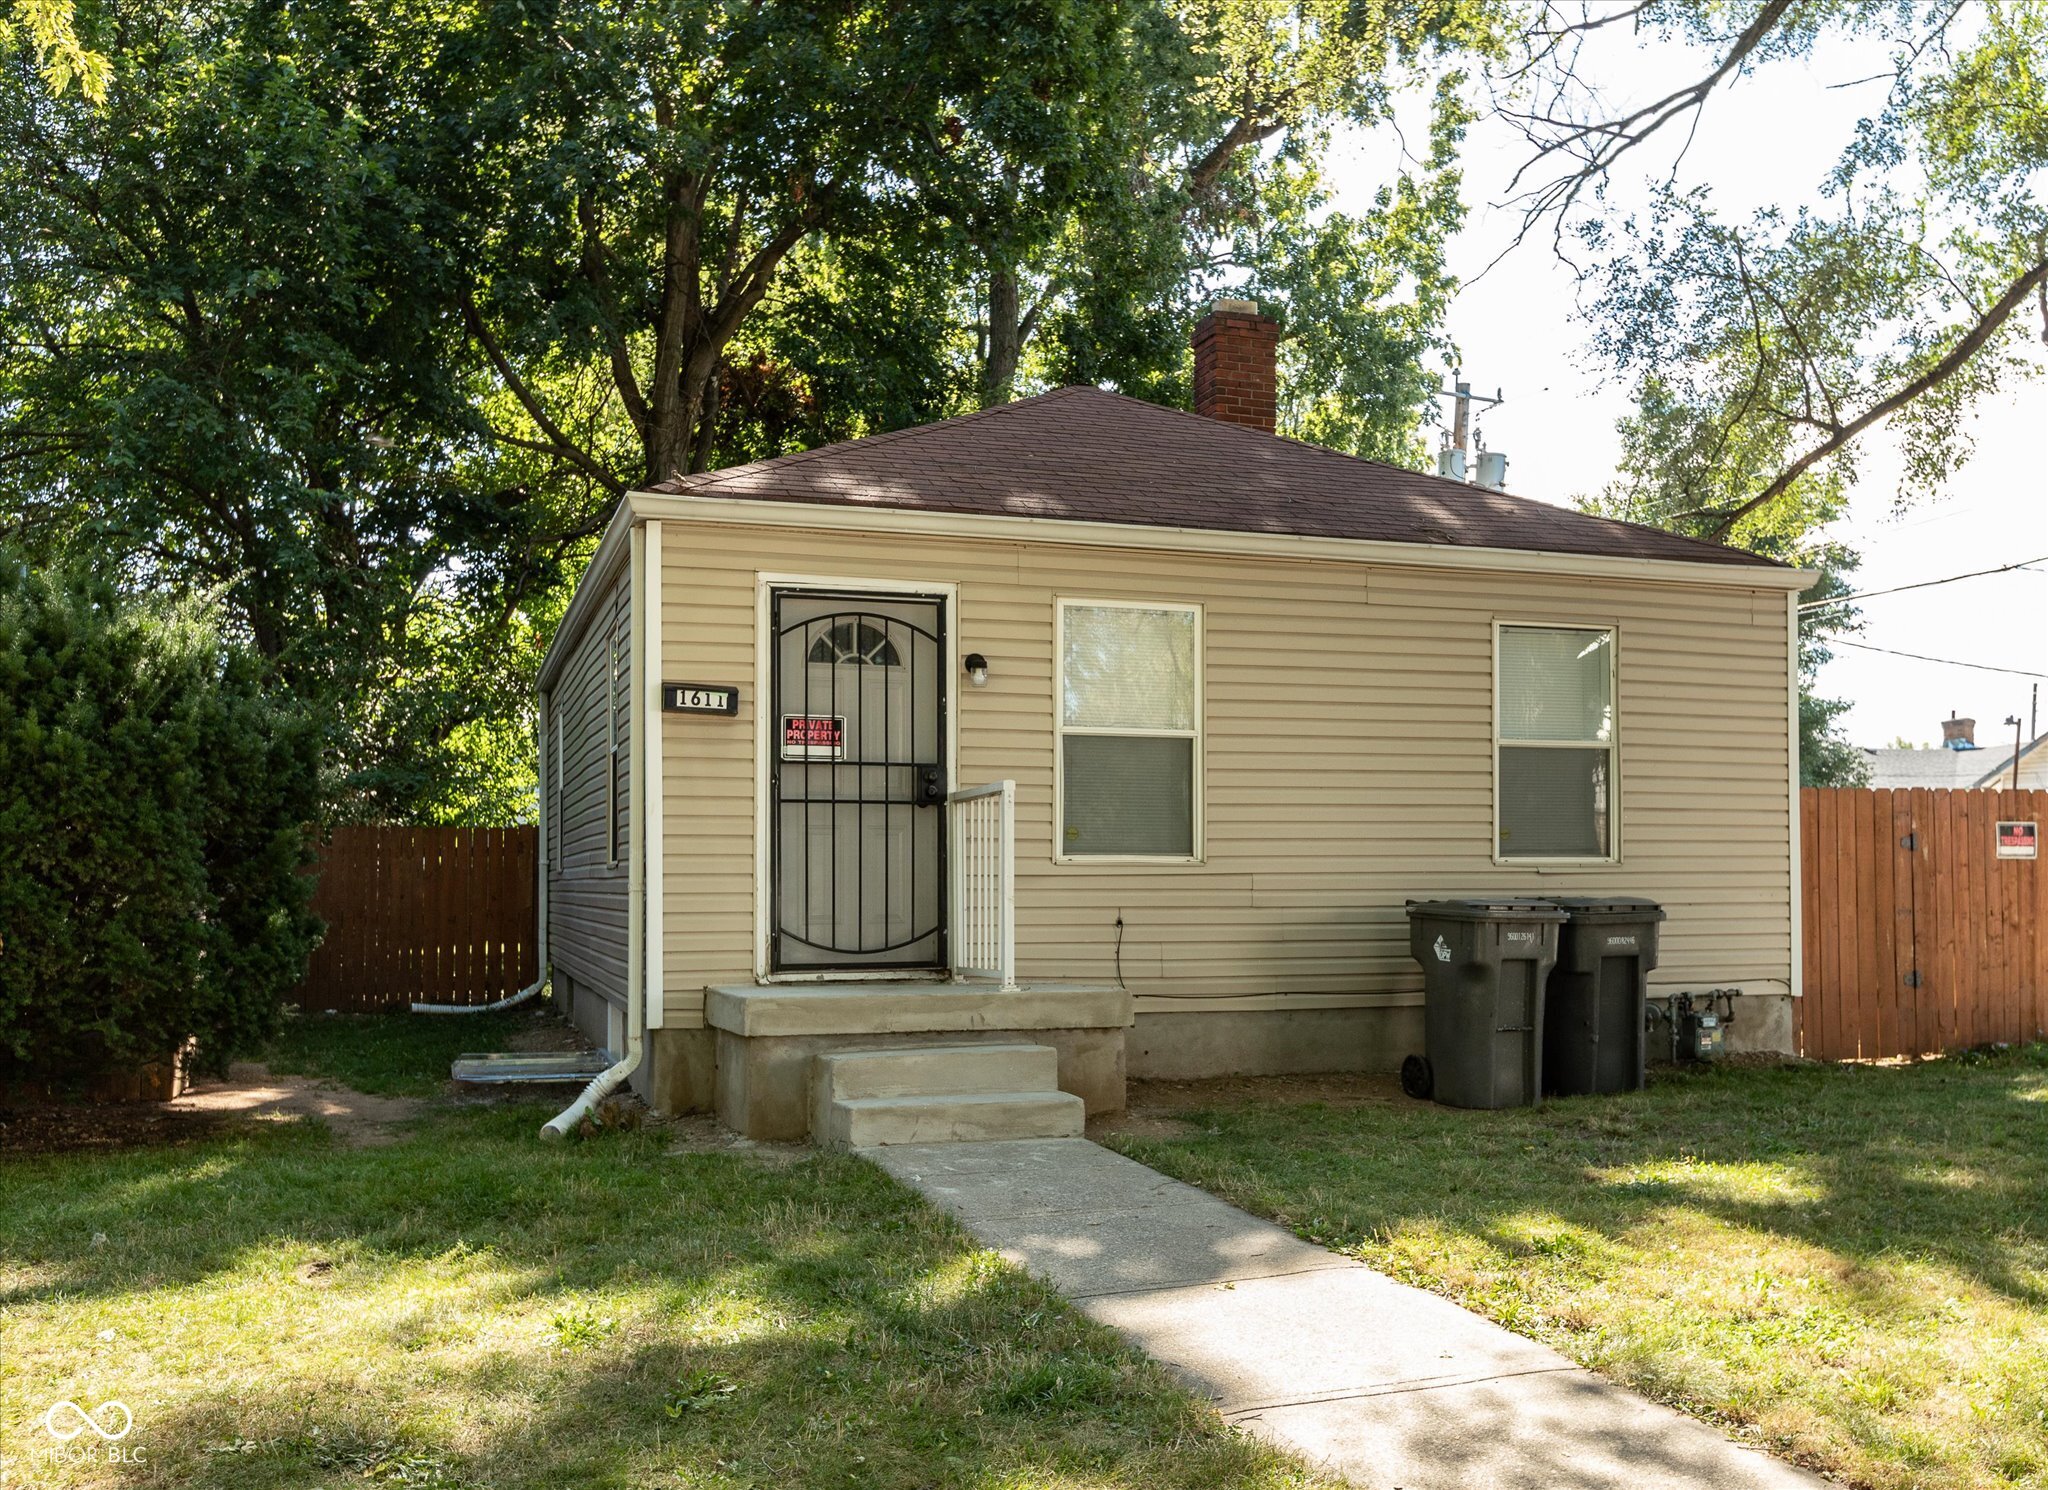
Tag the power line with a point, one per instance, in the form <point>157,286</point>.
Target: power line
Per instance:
<point>1919,585</point>
<point>1982,667</point>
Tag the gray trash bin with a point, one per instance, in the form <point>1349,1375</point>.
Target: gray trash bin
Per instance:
<point>1484,966</point>
<point>1593,1019</point>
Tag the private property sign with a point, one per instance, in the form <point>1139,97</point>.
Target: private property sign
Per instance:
<point>2019,840</point>
<point>813,737</point>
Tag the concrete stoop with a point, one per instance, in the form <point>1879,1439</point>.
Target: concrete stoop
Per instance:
<point>941,1094</point>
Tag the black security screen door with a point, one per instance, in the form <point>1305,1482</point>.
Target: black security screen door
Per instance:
<point>858,785</point>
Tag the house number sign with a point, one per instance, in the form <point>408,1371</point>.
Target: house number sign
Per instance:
<point>699,698</point>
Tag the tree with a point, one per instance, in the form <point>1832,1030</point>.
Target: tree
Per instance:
<point>155,811</point>
<point>1221,183</point>
<point>1762,352</point>
<point>359,324</point>
<point>1897,301</point>
<point>634,184</point>
<point>228,370</point>
<point>50,28</point>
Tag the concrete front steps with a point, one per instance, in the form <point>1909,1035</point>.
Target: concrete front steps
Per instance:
<point>768,1038</point>
<point>941,1094</point>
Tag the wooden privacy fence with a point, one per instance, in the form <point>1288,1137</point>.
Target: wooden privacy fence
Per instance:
<point>444,915</point>
<point>1918,937</point>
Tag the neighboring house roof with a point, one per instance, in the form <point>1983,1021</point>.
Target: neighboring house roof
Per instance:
<point>2004,767</point>
<point>1080,454</point>
<point>1937,767</point>
<point>1941,767</point>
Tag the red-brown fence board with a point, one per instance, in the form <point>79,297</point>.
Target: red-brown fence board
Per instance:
<point>440,915</point>
<point>1917,936</point>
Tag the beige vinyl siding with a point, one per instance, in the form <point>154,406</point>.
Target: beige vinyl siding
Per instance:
<point>587,891</point>
<point>1348,752</point>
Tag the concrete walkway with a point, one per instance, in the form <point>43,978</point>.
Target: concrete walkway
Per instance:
<point>1393,1388</point>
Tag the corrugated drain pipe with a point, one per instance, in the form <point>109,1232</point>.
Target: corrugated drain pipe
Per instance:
<point>504,1003</point>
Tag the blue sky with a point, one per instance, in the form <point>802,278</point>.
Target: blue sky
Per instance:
<point>1771,140</point>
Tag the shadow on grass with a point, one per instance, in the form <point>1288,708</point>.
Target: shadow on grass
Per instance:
<point>502,1313</point>
<point>1944,1162</point>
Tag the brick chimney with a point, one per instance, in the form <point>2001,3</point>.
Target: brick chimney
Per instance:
<point>1958,734</point>
<point>1236,373</point>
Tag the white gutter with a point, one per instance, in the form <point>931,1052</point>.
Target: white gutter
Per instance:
<point>614,1076</point>
<point>1796,982</point>
<point>648,805</point>
<point>540,781</point>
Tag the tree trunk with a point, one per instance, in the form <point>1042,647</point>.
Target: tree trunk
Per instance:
<point>1005,337</point>
<point>707,425</point>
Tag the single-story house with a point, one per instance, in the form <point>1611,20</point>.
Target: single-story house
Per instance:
<point>1121,734</point>
<point>1959,763</point>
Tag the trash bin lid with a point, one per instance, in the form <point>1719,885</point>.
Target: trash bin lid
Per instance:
<point>1491,908</point>
<point>1620,907</point>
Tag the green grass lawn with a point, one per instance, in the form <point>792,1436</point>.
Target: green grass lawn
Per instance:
<point>394,1055</point>
<point>469,1307</point>
<point>1847,1265</point>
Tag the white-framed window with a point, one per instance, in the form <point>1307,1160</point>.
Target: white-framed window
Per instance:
<point>1127,718</point>
<point>1556,787</point>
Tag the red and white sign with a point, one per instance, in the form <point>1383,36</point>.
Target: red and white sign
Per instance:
<point>2019,841</point>
<point>813,737</point>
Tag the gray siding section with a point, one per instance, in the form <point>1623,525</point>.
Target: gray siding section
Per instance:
<point>588,824</point>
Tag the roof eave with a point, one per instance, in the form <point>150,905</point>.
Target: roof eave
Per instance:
<point>794,513</point>
<point>612,551</point>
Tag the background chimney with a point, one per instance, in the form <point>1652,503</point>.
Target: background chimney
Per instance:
<point>1237,376</point>
<point>1958,734</point>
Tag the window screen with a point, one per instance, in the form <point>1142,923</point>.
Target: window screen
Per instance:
<point>1129,728</point>
<point>1555,738</point>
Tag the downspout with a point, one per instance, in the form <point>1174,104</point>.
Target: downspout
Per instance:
<point>614,1076</point>
<point>540,892</point>
<point>1797,972</point>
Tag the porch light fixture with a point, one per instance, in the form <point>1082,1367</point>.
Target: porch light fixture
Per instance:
<point>977,669</point>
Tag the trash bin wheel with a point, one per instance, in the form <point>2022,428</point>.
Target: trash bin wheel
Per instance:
<point>1417,1080</point>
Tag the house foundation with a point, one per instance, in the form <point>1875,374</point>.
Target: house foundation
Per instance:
<point>767,1039</point>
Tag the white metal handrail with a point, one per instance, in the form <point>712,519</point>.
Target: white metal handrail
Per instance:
<point>982,823</point>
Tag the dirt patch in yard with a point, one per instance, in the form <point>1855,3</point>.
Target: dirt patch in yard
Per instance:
<point>699,1133</point>
<point>72,1127</point>
<point>249,1092</point>
<point>546,1032</point>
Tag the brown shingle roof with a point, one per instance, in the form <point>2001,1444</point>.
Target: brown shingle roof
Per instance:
<point>1083,455</point>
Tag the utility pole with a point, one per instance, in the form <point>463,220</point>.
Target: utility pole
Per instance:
<point>1451,460</point>
<point>2014,721</point>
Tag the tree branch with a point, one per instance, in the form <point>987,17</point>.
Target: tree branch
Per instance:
<point>595,272</point>
<point>1598,143</point>
<point>1251,129</point>
<point>564,446</point>
<point>2016,295</point>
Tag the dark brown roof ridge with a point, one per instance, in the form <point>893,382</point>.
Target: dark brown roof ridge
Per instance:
<point>1386,465</point>
<point>1084,454</point>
